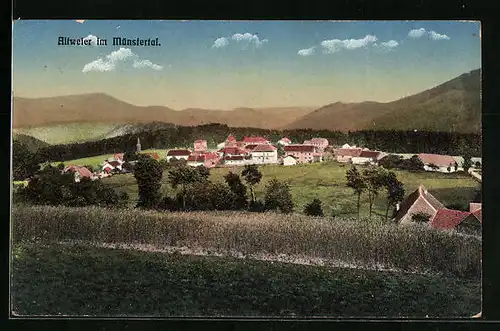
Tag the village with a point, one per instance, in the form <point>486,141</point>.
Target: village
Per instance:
<point>260,151</point>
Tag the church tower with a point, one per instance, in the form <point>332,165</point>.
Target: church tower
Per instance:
<point>138,150</point>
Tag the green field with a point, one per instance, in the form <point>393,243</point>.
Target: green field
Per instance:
<point>68,133</point>
<point>83,280</point>
<point>326,181</point>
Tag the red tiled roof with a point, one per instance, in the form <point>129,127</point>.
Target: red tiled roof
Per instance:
<point>439,160</point>
<point>232,151</point>
<point>448,218</point>
<point>179,152</point>
<point>354,152</point>
<point>264,148</point>
<point>370,154</point>
<point>251,146</point>
<point>421,191</point>
<point>479,214</point>
<point>231,138</point>
<point>84,172</point>
<point>254,139</point>
<point>202,157</point>
<point>299,148</point>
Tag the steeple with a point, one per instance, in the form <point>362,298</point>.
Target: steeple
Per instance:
<point>138,145</point>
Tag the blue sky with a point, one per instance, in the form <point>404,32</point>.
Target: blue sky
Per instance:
<point>228,64</point>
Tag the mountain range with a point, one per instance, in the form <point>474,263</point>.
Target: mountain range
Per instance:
<point>452,106</point>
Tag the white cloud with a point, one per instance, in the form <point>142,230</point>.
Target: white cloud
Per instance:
<point>306,51</point>
<point>110,62</point>
<point>437,36</point>
<point>416,33</point>
<point>249,38</point>
<point>335,45</point>
<point>93,39</point>
<point>389,44</point>
<point>220,42</point>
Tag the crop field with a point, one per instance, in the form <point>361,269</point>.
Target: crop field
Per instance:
<point>368,268</point>
<point>326,181</point>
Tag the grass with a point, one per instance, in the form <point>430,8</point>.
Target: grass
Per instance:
<point>326,181</point>
<point>82,280</point>
<point>68,133</point>
<point>361,243</point>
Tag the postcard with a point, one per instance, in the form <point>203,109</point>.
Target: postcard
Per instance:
<point>276,169</point>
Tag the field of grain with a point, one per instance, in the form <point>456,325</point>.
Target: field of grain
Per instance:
<point>326,181</point>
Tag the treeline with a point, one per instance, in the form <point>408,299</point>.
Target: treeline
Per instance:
<point>389,141</point>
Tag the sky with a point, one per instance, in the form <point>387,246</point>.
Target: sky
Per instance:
<point>229,64</point>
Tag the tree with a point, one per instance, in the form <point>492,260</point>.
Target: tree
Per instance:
<point>314,208</point>
<point>391,161</point>
<point>373,177</point>
<point>467,162</point>
<point>130,156</point>
<point>203,173</point>
<point>24,163</point>
<point>413,164</point>
<point>278,197</point>
<point>395,191</point>
<point>183,176</point>
<point>252,176</point>
<point>356,182</point>
<point>148,174</point>
<point>238,188</point>
<point>281,150</point>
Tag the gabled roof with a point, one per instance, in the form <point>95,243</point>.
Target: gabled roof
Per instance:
<point>82,171</point>
<point>354,152</point>
<point>231,138</point>
<point>448,218</point>
<point>473,206</point>
<point>422,192</point>
<point>299,148</point>
<point>232,151</point>
<point>153,155</point>
<point>439,160</point>
<point>200,141</point>
<point>179,152</point>
<point>250,147</point>
<point>264,148</point>
<point>369,154</point>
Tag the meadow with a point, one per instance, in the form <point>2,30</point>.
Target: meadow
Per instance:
<point>369,268</point>
<point>326,181</point>
<point>96,161</point>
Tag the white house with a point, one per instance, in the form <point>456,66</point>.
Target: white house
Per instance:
<point>346,146</point>
<point>366,157</point>
<point>264,154</point>
<point>235,160</point>
<point>289,160</point>
<point>440,163</point>
<point>178,154</point>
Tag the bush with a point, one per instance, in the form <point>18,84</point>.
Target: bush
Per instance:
<point>208,196</point>
<point>257,206</point>
<point>314,208</point>
<point>278,197</point>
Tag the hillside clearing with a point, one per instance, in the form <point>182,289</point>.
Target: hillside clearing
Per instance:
<point>132,283</point>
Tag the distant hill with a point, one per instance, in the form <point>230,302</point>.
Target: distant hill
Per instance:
<point>454,106</point>
<point>102,108</point>
<point>31,143</point>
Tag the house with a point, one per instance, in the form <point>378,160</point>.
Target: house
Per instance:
<point>249,148</point>
<point>230,141</point>
<point>234,160</point>
<point>200,145</point>
<point>462,221</point>
<point>440,163</point>
<point>419,201</point>
<point>304,153</point>
<point>264,154</point>
<point>289,160</point>
<point>284,141</point>
<point>254,141</point>
<point>232,151</point>
<point>346,146</point>
<point>208,160</point>
<point>178,154</point>
<point>153,155</point>
<point>119,157</point>
<point>112,165</point>
<point>345,155</point>
<point>366,157</point>
<point>321,143</point>
<point>79,172</point>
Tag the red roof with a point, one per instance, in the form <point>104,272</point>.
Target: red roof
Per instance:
<point>179,152</point>
<point>439,160</point>
<point>254,140</point>
<point>231,138</point>
<point>119,156</point>
<point>448,218</point>
<point>369,154</point>
<point>286,140</point>
<point>479,215</point>
<point>354,152</point>
<point>264,148</point>
<point>473,206</point>
<point>84,172</point>
<point>251,146</point>
<point>232,151</point>
<point>153,155</point>
<point>114,163</point>
<point>202,157</point>
<point>200,141</point>
<point>299,148</point>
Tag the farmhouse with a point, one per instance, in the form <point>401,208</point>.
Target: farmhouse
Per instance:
<point>200,145</point>
<point>345,155</point>
<point>440,163</point>
<point>230,141</point>
<point>79,172</point>
<point>234,160</point>
<point>208,160</point>
<point>284,141</point>
<point>419,201</point>
<point>304,153</point>
<point>178,154</point>
<point>254,141</point>
<point>289,160</point>
<point>112,165</point>
<point>232,151</point>
<point>118,157</point>
<point>320,143</point>
<point>366,157</point>
<point>264,154</point>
